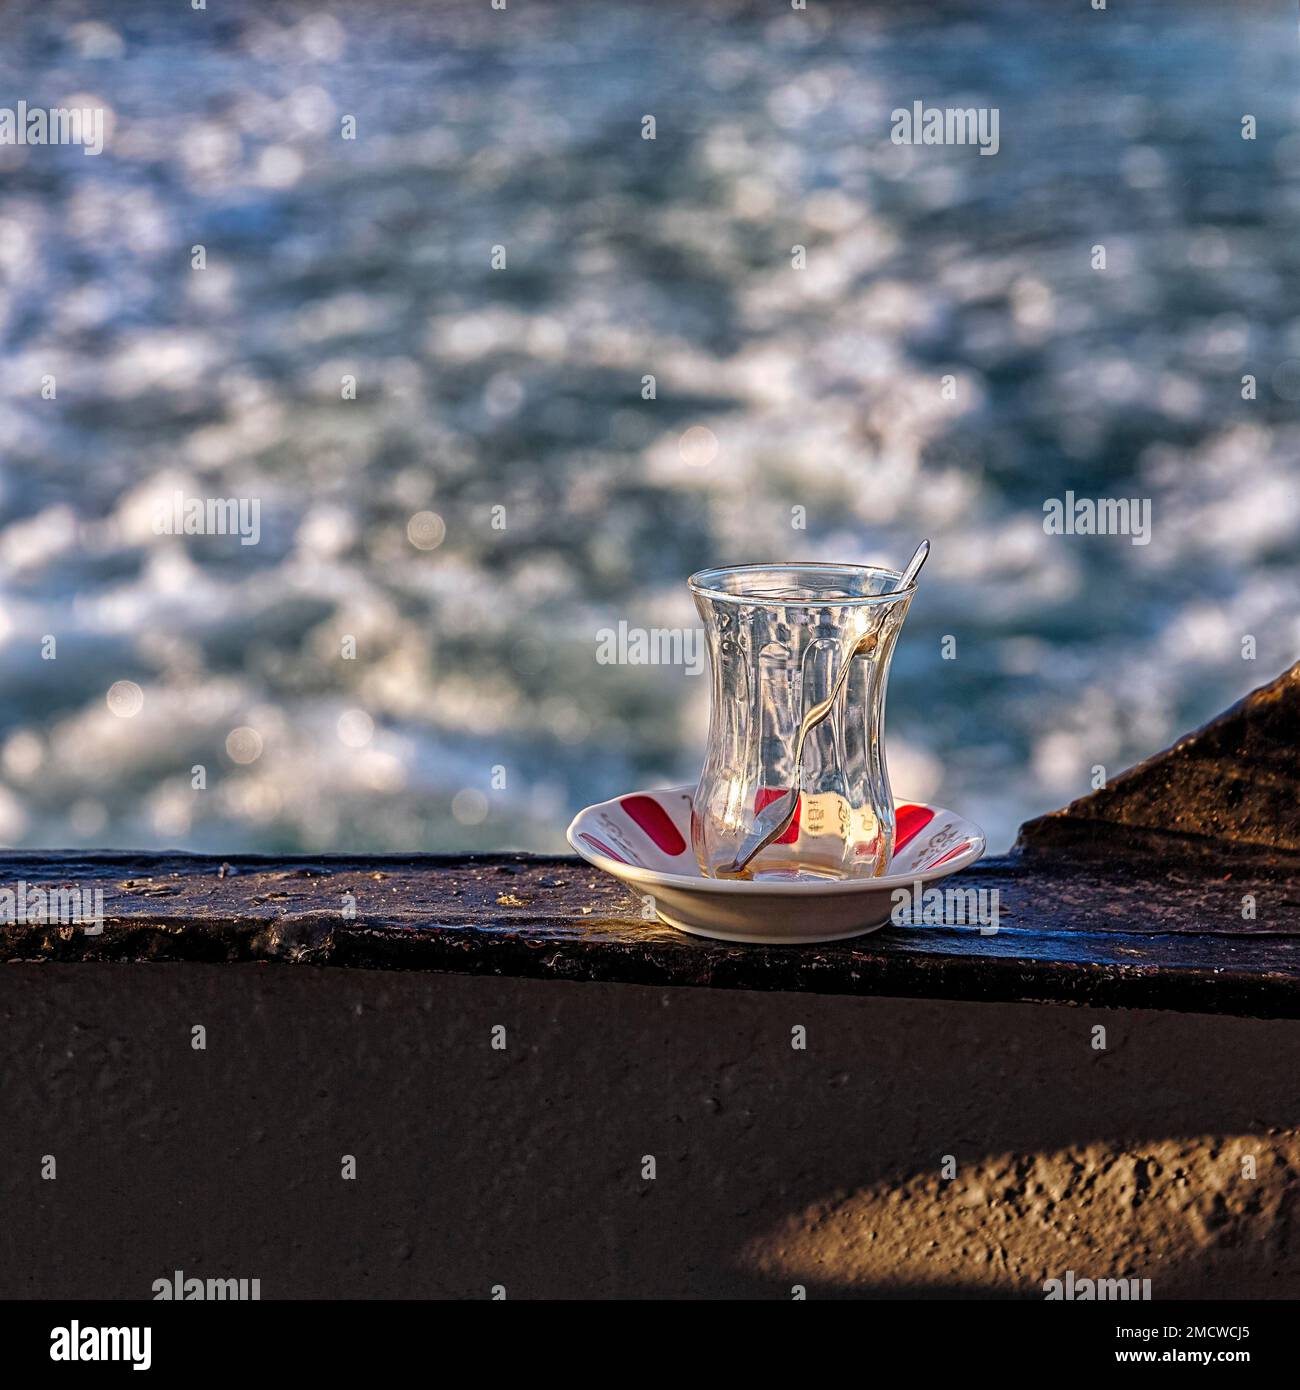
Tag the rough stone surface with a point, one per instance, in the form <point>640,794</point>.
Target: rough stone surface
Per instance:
<point>1234,782</point>
<point>1179,1212</point>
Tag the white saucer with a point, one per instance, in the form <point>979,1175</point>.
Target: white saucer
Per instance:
<point>644,839</point>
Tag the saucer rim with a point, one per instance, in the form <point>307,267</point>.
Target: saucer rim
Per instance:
<point>794,888</point>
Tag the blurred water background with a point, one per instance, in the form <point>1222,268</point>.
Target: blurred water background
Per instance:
<point>475,713</point>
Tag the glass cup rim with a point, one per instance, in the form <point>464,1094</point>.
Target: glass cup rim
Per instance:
<point>700,583</point>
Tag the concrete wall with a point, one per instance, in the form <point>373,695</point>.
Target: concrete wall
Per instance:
<point>523,1168</point>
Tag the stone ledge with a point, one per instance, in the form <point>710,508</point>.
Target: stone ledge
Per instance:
<point>1131,898</point>
<point>1120,934</point>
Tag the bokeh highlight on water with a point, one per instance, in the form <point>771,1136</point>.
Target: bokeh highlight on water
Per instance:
<point>522,389</point>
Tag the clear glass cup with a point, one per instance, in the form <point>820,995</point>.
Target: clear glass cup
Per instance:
<point>777,637</point>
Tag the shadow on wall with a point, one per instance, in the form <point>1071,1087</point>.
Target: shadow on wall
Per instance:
<point>522,1167</point>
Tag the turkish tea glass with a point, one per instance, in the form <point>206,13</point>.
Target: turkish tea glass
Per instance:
<point>777,636</point>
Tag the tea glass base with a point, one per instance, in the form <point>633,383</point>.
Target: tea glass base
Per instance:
<point>797,868</point>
